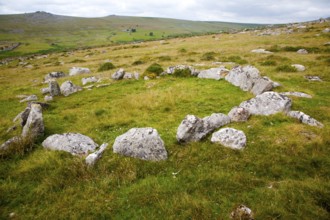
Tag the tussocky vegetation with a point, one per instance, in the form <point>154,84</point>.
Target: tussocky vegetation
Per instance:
<point>283,172</point>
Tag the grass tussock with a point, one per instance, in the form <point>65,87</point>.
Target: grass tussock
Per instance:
<point>106,66</point>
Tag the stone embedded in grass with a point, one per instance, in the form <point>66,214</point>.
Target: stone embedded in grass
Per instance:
<point>297,94</point>
<point>119,74</point>
<point>261,85</point>
<point>92,158</point>
<point>171,70</point>
<point>193,128</point>
<point>68,88</point>
<point>74,143</point>
<point>243,77</point>
<point>44,90</point>
<point>53,75</point>
<point>214,73</point>
<point>34,126</point>
<point>54,88</point>
<point>48,98</point>
<point>30,98</point>
<point>23,116</point>
<point>302,51</point>
<point>299,67</point>
<point>91,79</point>
<point>267,103</point>
<point>264,51</point>
<point>142,143</point>
<point>239,114</point>
<point>134,75</point>
<point>78,70</point>
<point>10,142</point>
<point>304,118</point>
<point>230,137</point>
<point>242,213</point>
<point>313,78</point>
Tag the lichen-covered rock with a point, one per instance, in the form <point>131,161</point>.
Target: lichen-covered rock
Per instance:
<point>34,126</point>
<point>213,73</point>
<point>68,88</point>
<point>142,143</point>
<point>239,114</point>
<point>304,118</point>
<point>261,85</point>
<point>44,90</point>
<point>78,70</point>
<point>242,213</point>
<point>230,137</point>
<point>74,143</point>
<point>193,128</point>
<point>267,103</point>
<point>119,74</point>
<point>243,77</point>
<point>30,98</point>
<point>54,88</point>
<point>11,142</point>
<point>92,158</point>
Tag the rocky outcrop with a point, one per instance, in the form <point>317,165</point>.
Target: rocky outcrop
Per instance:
<point>92,79</point>
<point>193,128</point>
<point>119,74</point>
<point>230,137</point>
<point>141,143</point>
<point>297,94</point>
<point>238,114</point>
<point>267,103</point>
<point>68,88</point>
<point>34,126</point>
<point>74,143</point>
<point>213,73</point>
<point>304,118</point>
<point>78,70</point>
<point>92,158</point>
<point>54,88</point>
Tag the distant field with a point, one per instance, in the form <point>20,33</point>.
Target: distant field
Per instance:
<point>43,32</point>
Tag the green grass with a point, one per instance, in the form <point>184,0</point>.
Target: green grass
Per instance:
<point>283,173</point>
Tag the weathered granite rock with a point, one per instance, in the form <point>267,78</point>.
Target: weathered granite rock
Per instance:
<point>134,75</point>
<point>54,88</point>
<point>92,79</point>
<point>297,94</point>
<point>11,142</point>
<point>92,158</point>
<point>299,67</point>
<point>44,90</point>
<point>119,74</point>
<point>30,98</point>
<point>264,51</point>
<point>213,73</point>
<point>302,51</point>
<point>304,118</point>
<point>74,143</point>
<point>261,85</point>
<point>53,75</point>
<point>68,88</point>
<point>78,70</point>
<point>239,114</point>
<point>142,143</point>
<point>34,126</point>
<point>242,213</point>
<point>48,98</point>
<point>172,69</point>
<point>193,128</point>
<point>243,77</point>
<point>23,116</point>
<point>267,103</point>
<point>229,137</point>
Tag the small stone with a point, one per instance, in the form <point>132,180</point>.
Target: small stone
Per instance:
<point>119,74</point>
<point>48,98</point>
<point>242,213</point>
<point>302,51</point>
<point>304,118</point>
<point>30,98</point>
<point>78,70</point>
<point>44,90</point>
<point>299,68</point>
<point>297,94</point>
<point>92,158</point>
<point>230,137</point>
<point>239,114</point>
<point>264,51</point>
<point>68,88</point>
<point>54,88</point>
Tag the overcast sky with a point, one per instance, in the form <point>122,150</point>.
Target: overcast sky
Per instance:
<point>245,11</point>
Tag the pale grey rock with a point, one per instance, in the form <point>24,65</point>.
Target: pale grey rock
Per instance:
<point>297,94</point>
<point>30,98</point>
<point>264,51</point>
<point>78,70</point>
<point>171,70</point>
<point>313,78</point>
<point>193,129</point>
<point>267,103</point>
<point>302,51</point>
<point>239,114</point>
<point>299,67</point>
<point>242,213</point>
<point>103,85</point>
<point>275,84</point>
<point>92,158</point>
<point>53,75</point>
<point>54,88</point>
<point>213,73</point>
<point>74,143</point>
<point>261,85</point>
<point>34,126</point>
<point>48,98</point>
<point>12,141</point>
<point>327,44</point>
<point>243,77</point>
<point>136,75</point>
<point>146,78</point>
<point>91,79</point>
<point>304,118</point>
<point>230,137</point>
<point>23,116</point>
<point>142,143</point>
<point>68,88</point>
<point>327,30</point>
<point>119,74</point>
<point>44,90</point>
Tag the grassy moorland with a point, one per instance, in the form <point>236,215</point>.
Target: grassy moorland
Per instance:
<point>283,173</point>
<point>43,32</point>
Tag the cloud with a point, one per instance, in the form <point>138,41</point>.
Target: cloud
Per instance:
<point>247,11</point>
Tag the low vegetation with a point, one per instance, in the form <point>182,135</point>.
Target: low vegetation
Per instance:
<point>106,66</point>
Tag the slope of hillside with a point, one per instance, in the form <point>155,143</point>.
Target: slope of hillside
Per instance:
<point>44,31</point>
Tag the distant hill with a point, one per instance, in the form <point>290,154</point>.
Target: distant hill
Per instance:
<point>42,31</point>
